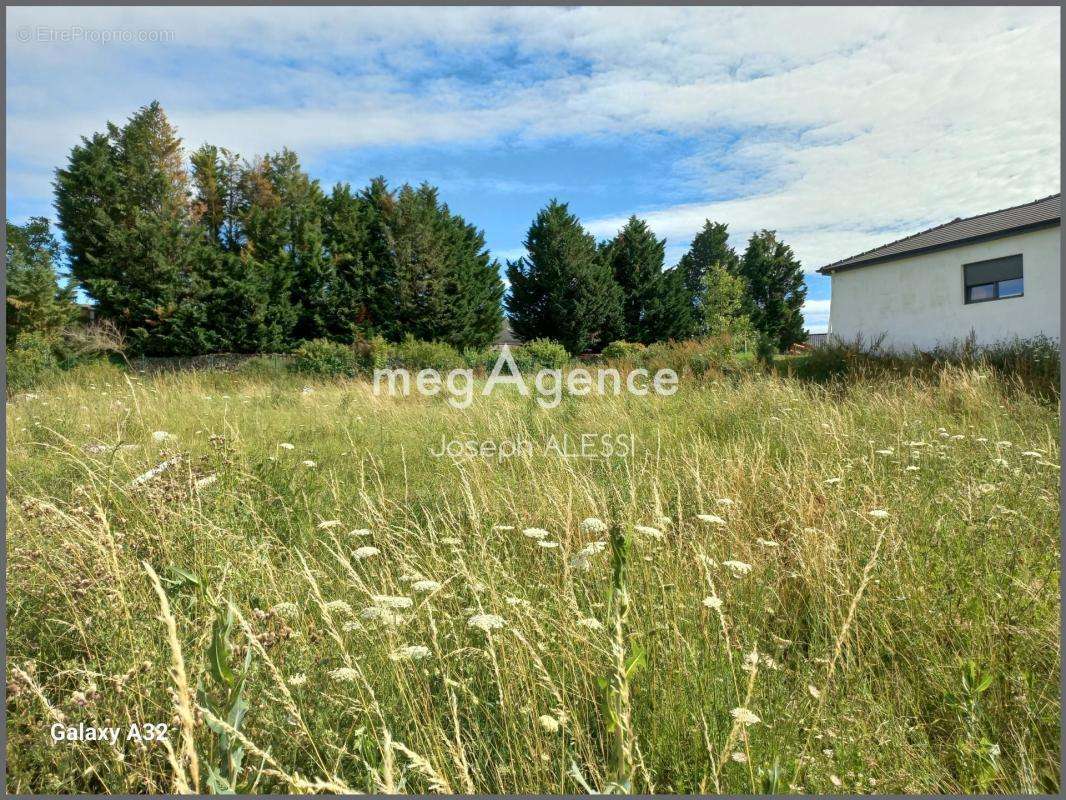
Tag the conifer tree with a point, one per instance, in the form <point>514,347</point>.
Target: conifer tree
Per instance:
<point>36,301</point>
<point>776,289</point>
<point>710,247</point>
<point>636,260</point>
<point>562,288</point>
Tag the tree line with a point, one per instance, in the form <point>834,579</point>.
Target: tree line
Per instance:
<point>252,255</point>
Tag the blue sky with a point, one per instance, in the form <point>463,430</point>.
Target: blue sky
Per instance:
<point>839,128</point>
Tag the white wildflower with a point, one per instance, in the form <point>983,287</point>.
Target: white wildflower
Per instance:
<point>338,605</point>
<point>878,513</point>
<point>503,527</point>
<point>739,757</point>
<point>452,540</point>
<point>591,623</point>
<point>583,558</point>
<point>359,532</point>
<point>307,390</point>
<point>833,779</point>
<point>593,525</point>
<point>654,533</point>
<point>744,716</point>
<point>285,609</point>
<point>162,436</point>
<point>1032,454</point>
<point>206,481</point>
<point>425,586</point>
<point>885,452</point>
<point>548,723</point>
<point>547,545</point>
<point>344,675</point>
<point>351,625</point>
<point>713,602</point>
<point>309,464</point>
<point>299,679</point>
<point>329,523</point>
<point>367,551</point>
<point>485,622</point>
<point>535,533</point>
<point>737,567</point>
<point>832,481</point>
<point>412,652</point>
<point>379,614</point>
<point>712,518</point>
<point>391,601</point>
<point>287,446</point>
<point>767,542</point>
<point>813,691</point>
<point>724,501</point>
<point>912,468</point>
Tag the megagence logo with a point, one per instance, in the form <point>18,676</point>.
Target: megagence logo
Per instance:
<point>549,384</point>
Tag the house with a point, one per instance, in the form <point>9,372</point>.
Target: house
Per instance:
<point>995,276</point>
<point>505,336</point>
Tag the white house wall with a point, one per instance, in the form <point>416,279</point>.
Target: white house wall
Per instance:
<point>919,301</point>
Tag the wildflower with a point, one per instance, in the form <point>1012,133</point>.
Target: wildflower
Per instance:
<point>591,623</point>
<point>813,691</point>
<point>360,532</point>
<point>307,390</point>
<point>885,452</point>
<point>744,716</point>
<point>299,679</point>
<point>986,488</point>
<point>329,523</point>
<point>367,551</point>
<point>535,533</point>
<point>833,779</point>
<point>338,605</point>
<point>724,501</point>
<point>485,622</point>
<point>654,533</point>
<point>549,723</point>
<point>713,602</point>
<point>344,674</point>
<point>389,601</point>
<point>518,601</point>
<point>379,614</point>
<point>1001,462</point>
<point>351,625</point>
<point>425,586</point>
<point>206,481</point>
<point>309,464</point>
<point>412,652</point>
<point>162,436</point>
<point>878,513</point>
<point>583,558</point>
<point>452,540</point>
<point>593,525</point>
<point>751,661</point>
<point>287,446</point>
<point>739,757</point>
<point>767,542</point>
<point>912,468</point>
<point>503,527</point>
<point>1032,454</point>
<point>832,481</point>
<point>547,545</point>
<point>712,518</point>
<point>737,567</point>
<point>285,609</point>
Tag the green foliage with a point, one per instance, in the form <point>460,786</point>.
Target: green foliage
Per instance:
<point>776,290</point>
<point>326,358</point>
<point>413,354</point>
<point>563,288</point>
<point>31,361</point>
<point>623,351</point>
<point>710,249</point>
<point>36,303</point>
<point>539,354</point>
<point>723,304</point>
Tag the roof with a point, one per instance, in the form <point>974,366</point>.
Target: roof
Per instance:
<point>1041,213</point>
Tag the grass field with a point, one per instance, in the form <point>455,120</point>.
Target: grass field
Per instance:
<point>353,614</point>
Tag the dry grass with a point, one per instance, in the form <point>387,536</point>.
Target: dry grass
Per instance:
<point>918,652</point>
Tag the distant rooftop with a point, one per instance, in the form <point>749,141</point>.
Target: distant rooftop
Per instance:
<point>1038,214</point>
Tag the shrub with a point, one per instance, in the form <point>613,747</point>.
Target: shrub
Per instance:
<point>325,358</point>
<point>624,351</point>
<point>413,354</point>
<point>541,354</point>
<point>31,361</point>
<point>482,360</point>
<point>371,354</point>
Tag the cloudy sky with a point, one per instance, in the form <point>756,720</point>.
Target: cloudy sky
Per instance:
<point>841,129</point>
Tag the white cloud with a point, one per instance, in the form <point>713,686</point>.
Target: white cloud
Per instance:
<point>816,315</point>
<point>855,125</point>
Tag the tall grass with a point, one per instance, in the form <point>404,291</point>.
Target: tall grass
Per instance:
<point>739,621</point>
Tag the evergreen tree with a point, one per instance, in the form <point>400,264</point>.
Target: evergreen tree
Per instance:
<point>562,289</point>
<point>724,304</point>
<point>636,260</point>
<point>776,289</point>
<point>669,311</point>
<point>123,207</point>
<point>709,247</point>
<point>36,302</point>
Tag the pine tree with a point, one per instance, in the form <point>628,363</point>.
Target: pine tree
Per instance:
<point>123,206</point>
<point>669,311</point>
<point>562,289</point>
<point>709,247</point>
<point>36,301</point>
<point>776,289</point>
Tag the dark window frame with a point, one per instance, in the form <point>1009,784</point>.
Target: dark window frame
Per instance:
<point>967,287</point>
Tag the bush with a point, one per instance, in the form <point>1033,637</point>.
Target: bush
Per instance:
<point>483,360</point>
<point>413,354</point>
<point>539,354</point>
<point>624,351</point>
<point>31,361</point>
<point>371,354</point>
<point>325,358</point>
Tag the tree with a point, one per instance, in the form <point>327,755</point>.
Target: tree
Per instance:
<point>724,303</point>
<point>669,311</point>
<point>776,289</point>
<point>36,302</point>
<point>636,260</point>
<point>709,247</point>
<point>123,207</point>
<point>562,288</point>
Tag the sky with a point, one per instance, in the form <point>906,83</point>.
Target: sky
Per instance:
<point>841,129</point>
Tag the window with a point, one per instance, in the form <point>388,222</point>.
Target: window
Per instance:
<point>995,279</point>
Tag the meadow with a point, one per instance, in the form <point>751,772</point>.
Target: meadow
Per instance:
<point>788,586</point>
